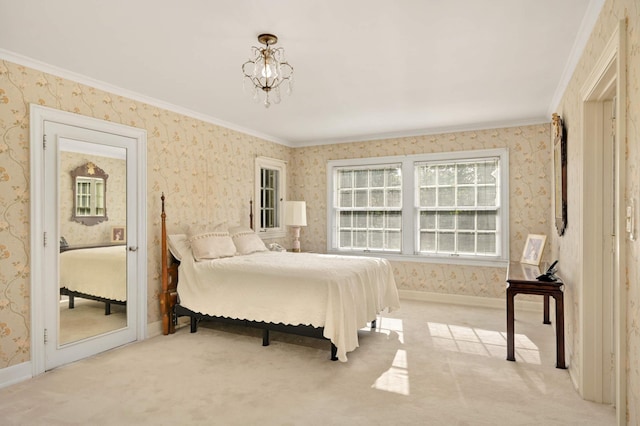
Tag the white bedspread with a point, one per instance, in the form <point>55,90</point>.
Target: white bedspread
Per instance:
<point>100,271</point>
<point>339,293</point>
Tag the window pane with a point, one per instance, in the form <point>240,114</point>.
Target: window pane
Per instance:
<point>360,220</point>
<point>346,199</point>
<point>377,178</point>
<point>428,241</point>
<point>362,198</point>
<point>362,178</point>
<point>376,219</point>
<point>487,244</point>
<point>394,177</point>
<point>466,173</point>
<point>345,239</point>
<point>377,198</point>
<point>487,172</point>
<point>345,220</point>
<point>466,196</point>
<point>446,220</point>
<point>487,196</point>
<point>426,175</point>
<point>394,220</point>
<point>427,220</point>
<point>467,220</point>
<point>345,179</point>
<point>376,240</point>
<point>394,198</point>
<point>446,197</point>
<point>427,197</point>
<point>393,240</point>
<point>487,221</point>
<point>446,242</point>
<point>466,243</point>
<point>360,238</point>
<point>446,174</point>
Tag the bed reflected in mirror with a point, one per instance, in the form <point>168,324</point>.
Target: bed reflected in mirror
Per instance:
<point>93,257</point>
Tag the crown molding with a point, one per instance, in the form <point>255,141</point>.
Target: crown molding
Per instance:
<point>119,91</point>
<point>471,127</point>
<point>584,32</point>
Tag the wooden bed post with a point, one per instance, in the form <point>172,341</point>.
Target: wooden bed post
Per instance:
<point>169,291</point>
<point>251,214</point>
<point>164,295</point>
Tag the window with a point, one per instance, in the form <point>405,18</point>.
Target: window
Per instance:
<point>270,180</point>
<point>369,208</point>
<point>458,206</point>
<point>445,206</point>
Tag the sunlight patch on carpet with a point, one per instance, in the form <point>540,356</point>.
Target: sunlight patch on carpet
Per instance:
<point>396,378</point>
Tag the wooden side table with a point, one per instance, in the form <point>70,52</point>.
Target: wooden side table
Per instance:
<point>520,280</point>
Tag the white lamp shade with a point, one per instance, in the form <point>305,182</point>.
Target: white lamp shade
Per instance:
<point>295,213</point>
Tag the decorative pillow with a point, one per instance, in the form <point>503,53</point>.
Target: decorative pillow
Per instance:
<point>246,240</point>
<point>211,245</point>
<point>179,245</point>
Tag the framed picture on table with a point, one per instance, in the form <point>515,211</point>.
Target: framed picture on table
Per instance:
<point>533,248</point>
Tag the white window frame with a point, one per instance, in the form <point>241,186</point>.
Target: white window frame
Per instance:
<point>410,211</point>
<point>280,166</point>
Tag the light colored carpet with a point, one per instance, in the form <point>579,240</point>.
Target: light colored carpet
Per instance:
<point>427,363</point>
<point>87,319</point>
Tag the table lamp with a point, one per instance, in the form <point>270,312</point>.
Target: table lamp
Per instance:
<point>295,215</point>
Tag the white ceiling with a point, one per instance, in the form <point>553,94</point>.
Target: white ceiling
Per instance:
<point>364,69</point>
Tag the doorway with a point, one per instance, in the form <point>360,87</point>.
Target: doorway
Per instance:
<point>603,297</point>
<point>88,236</point>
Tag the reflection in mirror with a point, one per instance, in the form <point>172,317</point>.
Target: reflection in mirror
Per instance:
<point>92,262</point>
<point>89,184</point>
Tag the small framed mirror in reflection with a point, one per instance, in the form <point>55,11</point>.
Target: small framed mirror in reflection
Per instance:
<point>89,184</point>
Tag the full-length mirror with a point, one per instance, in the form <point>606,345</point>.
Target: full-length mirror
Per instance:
<point>92,259</point>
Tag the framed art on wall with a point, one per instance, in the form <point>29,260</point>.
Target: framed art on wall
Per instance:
<point>118,234</point>
<point>533,248</point>
<point>560,173</point>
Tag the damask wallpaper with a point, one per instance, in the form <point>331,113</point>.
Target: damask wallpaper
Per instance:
<point>206,171</point>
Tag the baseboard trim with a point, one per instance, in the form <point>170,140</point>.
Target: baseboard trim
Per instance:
<point>154,329</point>
<point>15,374</point>
<point>458,299</point>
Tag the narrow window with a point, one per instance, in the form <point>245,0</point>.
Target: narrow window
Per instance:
<point>270,193</point>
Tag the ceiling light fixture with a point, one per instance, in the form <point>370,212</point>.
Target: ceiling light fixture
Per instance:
<point>267,71</point>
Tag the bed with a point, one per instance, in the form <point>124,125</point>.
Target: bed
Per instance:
<point>97,273</point>
<point>323,296</point>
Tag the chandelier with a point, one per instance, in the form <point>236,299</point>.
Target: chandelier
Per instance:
<point>267,71</point>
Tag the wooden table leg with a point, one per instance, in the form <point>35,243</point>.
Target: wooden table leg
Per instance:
<point>559,298</point>
<point>545,308</point>
<point>511,353</point>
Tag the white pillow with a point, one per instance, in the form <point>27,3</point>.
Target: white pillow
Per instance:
<point>179,245</point>
<point>211,245</point>
<point>246,240</point>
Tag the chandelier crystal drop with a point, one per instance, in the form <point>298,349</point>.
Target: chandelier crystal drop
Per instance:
<point>267,71</point>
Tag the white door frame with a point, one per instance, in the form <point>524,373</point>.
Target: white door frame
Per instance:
<point>38,115</point>
<point>608,75</point>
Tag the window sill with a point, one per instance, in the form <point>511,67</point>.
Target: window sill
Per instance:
<point>451,260</point>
